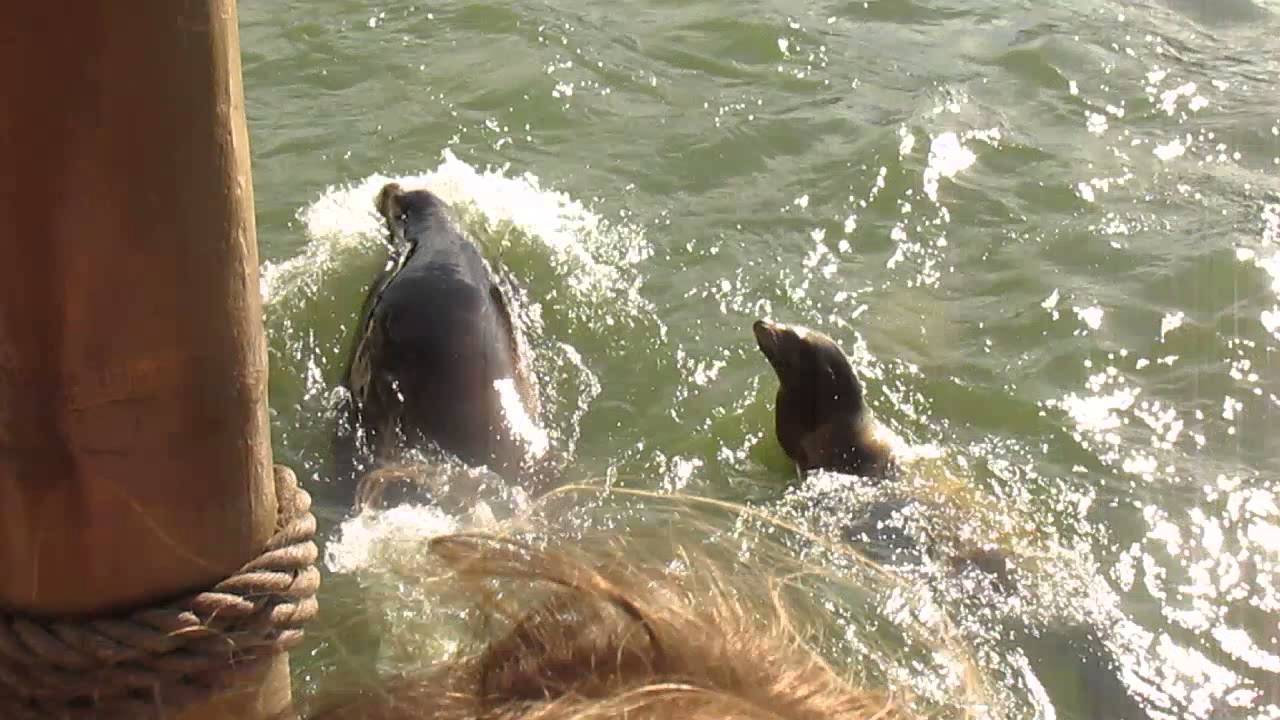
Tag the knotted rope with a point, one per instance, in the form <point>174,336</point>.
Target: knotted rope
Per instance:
<point>152,662</point>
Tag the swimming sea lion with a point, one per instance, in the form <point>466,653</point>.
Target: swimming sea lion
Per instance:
<point>821,418</point>
<point>824,424</point>
<point>438,360</point>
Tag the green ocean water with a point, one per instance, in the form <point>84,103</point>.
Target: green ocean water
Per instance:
<point>1047,233</point>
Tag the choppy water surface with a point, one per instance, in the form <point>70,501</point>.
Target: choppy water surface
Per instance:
<point>1048,234</point>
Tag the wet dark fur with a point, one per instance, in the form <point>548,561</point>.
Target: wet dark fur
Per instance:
<point>435,333</point>
<point>820,416</point>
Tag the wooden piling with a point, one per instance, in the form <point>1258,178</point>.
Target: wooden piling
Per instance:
<point>135,459</point>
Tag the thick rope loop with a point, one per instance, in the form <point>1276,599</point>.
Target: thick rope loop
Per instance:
<point>151,663</point>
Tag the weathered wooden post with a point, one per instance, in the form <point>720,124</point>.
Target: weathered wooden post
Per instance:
<point>135,459</point>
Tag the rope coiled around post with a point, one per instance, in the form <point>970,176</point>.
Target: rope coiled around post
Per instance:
<point>152,662</point>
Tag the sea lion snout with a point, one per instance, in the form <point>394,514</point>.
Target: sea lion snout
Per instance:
<point>766,333</point>
<point>782,345</point>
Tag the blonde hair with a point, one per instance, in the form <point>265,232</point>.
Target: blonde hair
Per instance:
<point>577,639</point>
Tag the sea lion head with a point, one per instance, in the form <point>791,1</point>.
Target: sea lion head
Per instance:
<point>405,210</point>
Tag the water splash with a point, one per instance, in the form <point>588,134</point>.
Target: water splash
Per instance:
<point>579,241</point>
<point>364,541</point>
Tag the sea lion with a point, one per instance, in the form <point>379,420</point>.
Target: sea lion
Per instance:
<point>438,361</point>
<point>821,418</point>
<point>823,424</point>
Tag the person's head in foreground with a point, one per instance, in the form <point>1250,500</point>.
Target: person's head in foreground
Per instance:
<point>584,640</point>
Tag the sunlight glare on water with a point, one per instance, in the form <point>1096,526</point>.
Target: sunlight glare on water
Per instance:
<point>1047,234</point>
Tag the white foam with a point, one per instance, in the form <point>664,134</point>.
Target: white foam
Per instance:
<point>1170,150</point>
<point>1169,98</point>
<point>1098,413</point>
<point>1170,322</point>
<point>524,427</point>
<point>337,228</point>
<point>1271,321</point>
<point>947,157</point>
<point>1091,316</point>
<point>343,220</point>
<point>1268,259</point>
<point>1095,123</point>
<point>907,143</point>
<point>1051,302</point>
<point>363,540</point>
